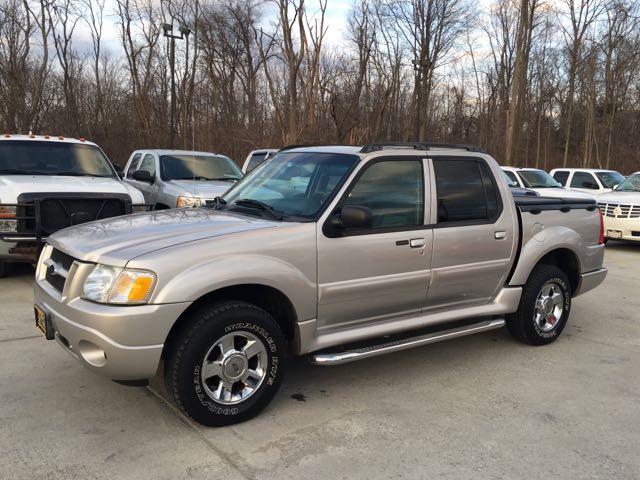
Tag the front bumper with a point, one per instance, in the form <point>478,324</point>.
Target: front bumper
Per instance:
<point>630,228</point>
<point>590,280</point>
<point>17,248</point>
<point>119,342</point>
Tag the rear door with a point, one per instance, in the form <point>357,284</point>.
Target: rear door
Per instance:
<point>381,273</point>
<point>474,236</point>
<point>585,182</point>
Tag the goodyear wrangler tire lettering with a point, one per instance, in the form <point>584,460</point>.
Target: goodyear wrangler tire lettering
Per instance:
<point>226,364</point>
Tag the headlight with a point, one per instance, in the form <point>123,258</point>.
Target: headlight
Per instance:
<point>116,285</point>
<point>190,202</point>
<point>138,208</point>
<point>8,225</point>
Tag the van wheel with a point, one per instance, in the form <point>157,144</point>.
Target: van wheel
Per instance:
<point>544,307</point>
<point>227,364</point>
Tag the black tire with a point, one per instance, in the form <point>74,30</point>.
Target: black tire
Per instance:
<point>4,269</point>
<point>522,324</point>
<point>184,362</point>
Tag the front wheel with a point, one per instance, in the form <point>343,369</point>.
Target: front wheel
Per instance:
<point>544,307</point>
<point>227,364</point>
<point>4,269</point>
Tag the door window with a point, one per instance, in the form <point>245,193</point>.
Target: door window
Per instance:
<point>148,164</point>
<point>512,177</point>
<point>466,191</point>
<point>562,177</point>
<point>394,192</point>
<point>132,166</point>
<point>584,180</point>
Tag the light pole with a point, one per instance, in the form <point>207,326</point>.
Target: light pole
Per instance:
<point>183,32</point>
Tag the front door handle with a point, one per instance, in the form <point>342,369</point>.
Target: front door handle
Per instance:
<point>416,243</point>
<point>500,235</point>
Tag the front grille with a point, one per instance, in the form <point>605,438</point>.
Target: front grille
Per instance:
<point>58,266</point>
<point>46,213</point>
<point>622,210</point>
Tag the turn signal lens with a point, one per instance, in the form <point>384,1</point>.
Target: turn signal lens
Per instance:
<point>601,238</point>
<point>132,286</point>
<point>7,212</point>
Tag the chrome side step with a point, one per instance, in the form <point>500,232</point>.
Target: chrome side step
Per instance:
<point>404,344</point>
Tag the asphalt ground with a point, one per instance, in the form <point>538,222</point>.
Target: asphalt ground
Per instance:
<point>482,406</point>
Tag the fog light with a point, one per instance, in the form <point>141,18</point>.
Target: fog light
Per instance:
<point>8,225</point>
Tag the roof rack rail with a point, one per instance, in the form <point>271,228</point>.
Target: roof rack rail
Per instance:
<point>374,147</point>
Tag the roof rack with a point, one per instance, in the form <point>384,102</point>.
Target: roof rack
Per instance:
<point>374,147</point>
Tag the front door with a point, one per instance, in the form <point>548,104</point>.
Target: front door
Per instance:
<point>474,237</point>
<point>373,275</point>
<point>149,190</point>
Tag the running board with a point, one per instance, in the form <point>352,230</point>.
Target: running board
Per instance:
<point>404,344</point>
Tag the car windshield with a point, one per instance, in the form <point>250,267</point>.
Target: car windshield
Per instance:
<point>512,182</point>
<point>294,184</point>
<point>24,157</point>
<point>198,167</point>
<point>610,179</point>
<point>631,184</point>
<point>538,179</point>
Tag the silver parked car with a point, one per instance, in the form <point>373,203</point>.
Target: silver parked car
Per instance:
<point>339,253</point>
<point>180,178</point>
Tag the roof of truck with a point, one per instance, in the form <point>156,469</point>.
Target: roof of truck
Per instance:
<point>44,138</point>
<point>562,169</point>
<point>363,150</point>
<point>168,151</point>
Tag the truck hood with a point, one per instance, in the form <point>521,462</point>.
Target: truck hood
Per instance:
<point>559,192</point>
<point>11,186</point>
<point>627,198</point>
<point>117,240</point>
<point>203,189</point>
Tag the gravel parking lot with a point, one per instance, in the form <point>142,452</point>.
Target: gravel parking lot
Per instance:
<point>478,407</point>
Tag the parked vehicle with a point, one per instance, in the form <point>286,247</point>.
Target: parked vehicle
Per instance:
<point>541,182</point>
<point>515,187</point>
<point>180,178</point>
<point>256,158</point>
<point>49,183</point>
<point>385,239</point>
<point>588,180</point>
<point>621,210</point>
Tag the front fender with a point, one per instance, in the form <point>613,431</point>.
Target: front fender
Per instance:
<point>203,278</point>
<point>541,243</point>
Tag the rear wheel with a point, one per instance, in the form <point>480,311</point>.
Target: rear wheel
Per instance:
<point>544,307</point>
<point>227,364</point>
<point>4,269</point>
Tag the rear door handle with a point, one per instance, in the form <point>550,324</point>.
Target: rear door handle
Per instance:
<point>416,243</point>
<point>500,235</point>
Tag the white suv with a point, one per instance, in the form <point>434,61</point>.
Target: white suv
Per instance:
<point>541,182</point>
<point>621,210</point>
<point>50,183</point>
<point>588,180</point>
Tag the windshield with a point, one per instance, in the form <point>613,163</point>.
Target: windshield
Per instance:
<point>512,182</point>
<point>198,167</point>
<point>24,157</point>
<point>610,179</point>
<point>293,184</point>
<point>631,184</point>
<point>538,179</point>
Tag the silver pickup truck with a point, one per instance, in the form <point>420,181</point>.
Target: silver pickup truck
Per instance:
<point>338,253</point>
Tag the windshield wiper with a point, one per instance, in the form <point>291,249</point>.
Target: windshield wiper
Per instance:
<point>257,204</point>
<point>17,171</point>
<point>218,203</point>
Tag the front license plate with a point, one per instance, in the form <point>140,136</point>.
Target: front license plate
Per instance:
<point>43,322</point>
<point>614,234</point>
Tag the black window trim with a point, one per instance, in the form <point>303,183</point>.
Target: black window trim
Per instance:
<point>331,232</point>
<point>464,223</point>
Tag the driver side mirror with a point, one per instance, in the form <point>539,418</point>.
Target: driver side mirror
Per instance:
<point>142,176</point>
<point>353,216</point>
